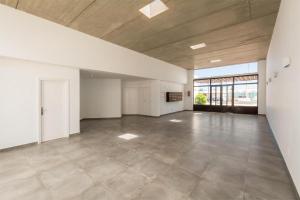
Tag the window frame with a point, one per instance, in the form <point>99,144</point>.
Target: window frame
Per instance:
<point>231,84</point>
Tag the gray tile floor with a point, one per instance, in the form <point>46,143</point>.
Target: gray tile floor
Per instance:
<point>197,156</point>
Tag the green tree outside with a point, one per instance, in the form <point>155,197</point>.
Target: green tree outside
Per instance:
<point>201,99</point>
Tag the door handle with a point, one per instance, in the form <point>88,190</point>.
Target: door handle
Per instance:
<point>42,111</point>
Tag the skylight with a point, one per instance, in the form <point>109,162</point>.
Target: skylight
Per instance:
<point>198,46</point>
<point>154,8</point>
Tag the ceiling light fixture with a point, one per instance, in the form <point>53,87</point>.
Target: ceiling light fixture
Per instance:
<point>198,46</point>
<point>154,8</point>
<point>216,61</point>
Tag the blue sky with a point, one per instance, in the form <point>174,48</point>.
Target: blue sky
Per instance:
<point>226,70</point>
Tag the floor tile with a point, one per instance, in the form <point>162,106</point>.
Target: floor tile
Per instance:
<point>105,170</point>
<point>268,189</point>
<point>99,192</point>
<point>208,190</point>
<point>226,170</point>
<point>129,183</point>
<point>65,181</point>
<point>20,188</point>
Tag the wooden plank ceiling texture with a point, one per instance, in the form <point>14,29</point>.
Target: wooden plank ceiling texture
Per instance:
<point>235,31</point>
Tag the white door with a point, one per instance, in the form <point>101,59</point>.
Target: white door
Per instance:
<point>130,101</point>
<point>144,103</point>
<point>54,102</point>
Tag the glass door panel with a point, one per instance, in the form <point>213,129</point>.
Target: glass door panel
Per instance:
<point>215,95</point>
<point>227,95</point>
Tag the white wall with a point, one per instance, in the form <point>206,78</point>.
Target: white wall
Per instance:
<point>261,87</point>
<point>27,37</point>
<point>283,97</point>
<point>100,98</point>
<point>141,97</point>
<point>170,107</point>
<point>148,97</point>
<point>19,109</point>
<point>188,100</point>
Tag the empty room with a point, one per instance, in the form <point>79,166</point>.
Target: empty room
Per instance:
<point>149,100</point>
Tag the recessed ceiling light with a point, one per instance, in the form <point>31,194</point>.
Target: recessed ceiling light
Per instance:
<point>215,61</point>
<point>154,8</point>
<point>198,46</point>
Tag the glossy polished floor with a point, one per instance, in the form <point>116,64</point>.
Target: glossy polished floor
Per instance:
<point>182,156</point>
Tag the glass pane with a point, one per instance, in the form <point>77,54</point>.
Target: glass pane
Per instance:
<point>222,81</point>
<point>245,95</point>
<point>201,95</point>
<point>216,96</point>
<point>216,81</point>
<point>227,80</point>
<point>227,95</point>
<point>246,79</point>
<point>246,68</point>
<point>201,82</point>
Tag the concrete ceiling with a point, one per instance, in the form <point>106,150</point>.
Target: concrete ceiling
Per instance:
<point>235,31</point>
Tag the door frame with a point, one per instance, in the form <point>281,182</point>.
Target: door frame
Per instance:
<point>39,106</point>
